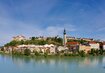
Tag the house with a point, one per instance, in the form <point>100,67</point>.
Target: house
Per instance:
<point>71,38</point>
<point>19,38</point>
<point>94,45</point>
<point>85,48</point>
<point>103,45</point>
<point>53,50</point>
<point>87,39</point>
<point>39,48</point>
<point>73,46</point>
<point>61,48</point>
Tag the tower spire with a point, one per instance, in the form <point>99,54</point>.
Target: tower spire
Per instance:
<point>64,37</point>
<point>64,31</point>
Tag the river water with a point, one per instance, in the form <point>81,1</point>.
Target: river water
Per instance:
<point>17,64</point>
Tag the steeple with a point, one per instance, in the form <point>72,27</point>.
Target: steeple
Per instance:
<point>64,38</point>
<point>64,32</point>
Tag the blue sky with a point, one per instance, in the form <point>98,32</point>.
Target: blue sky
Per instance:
<point>81,18</point>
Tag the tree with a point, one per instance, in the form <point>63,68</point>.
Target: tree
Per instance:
<point>36,53</point>
<point>27,52</point>
<point>101,51</point>
<point>97,52</point>
<point>45,54</point>
<point>92,52</point>
<point>82,53</point>
<point>2,49</point>
<point>33,38</point>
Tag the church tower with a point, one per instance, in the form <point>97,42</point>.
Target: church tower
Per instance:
<point>64,38</point>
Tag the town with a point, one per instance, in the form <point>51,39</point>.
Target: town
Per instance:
<point>67,46</point>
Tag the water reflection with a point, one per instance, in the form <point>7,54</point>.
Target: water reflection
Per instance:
<point>56,61</point>
<point>61,64</point>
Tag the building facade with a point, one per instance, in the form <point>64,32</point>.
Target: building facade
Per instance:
<point>85,48</point>
<point>19,38</point>
<point>94,45</point>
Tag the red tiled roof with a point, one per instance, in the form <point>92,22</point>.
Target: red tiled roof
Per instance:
<point>92,42</point>
<point>72,43</point>
<point>103,43</point>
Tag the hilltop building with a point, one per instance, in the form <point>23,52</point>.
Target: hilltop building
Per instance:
<point>74,38</point>
<point>19,38</point>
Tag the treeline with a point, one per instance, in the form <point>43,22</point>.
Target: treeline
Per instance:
<point>82,53</point>
<point>35,41</point>
<point>93,52</point>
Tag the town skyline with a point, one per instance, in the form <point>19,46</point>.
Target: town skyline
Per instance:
<point>81,18</point>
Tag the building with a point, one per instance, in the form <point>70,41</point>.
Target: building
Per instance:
<point>102,45</point>
<point>61,48</point>
<point>71,38</point>
<point>87,39</point>
<point>73,46</point>
<point>19,38</point>
<point>51,49</point>
<point>94,45</point>
<point>64,38</point>
<point>85,48</point>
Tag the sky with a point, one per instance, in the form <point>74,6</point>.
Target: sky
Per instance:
<point>80,18</point>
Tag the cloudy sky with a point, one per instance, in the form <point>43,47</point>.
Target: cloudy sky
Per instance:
<point>81,18</point>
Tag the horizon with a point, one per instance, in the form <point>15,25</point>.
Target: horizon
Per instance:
<point>81,18</point>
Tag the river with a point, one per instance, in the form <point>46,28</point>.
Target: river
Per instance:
<point>19,64</point>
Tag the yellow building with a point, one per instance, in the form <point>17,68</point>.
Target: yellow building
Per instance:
<point>85,48</point>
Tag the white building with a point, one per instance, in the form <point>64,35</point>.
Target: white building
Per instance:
<point>61,48</point>
<point>19,38</point>
<point>104,47</point>
<point>94,45</point>
<point>39,48</point>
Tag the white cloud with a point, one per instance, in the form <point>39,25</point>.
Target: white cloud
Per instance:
<point>12,27</point>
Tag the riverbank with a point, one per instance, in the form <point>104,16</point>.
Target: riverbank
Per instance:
<point>52,56</point>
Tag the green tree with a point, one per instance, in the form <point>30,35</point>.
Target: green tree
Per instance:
<point>37,54</point>
<point>33,38</point>
<point>101,51</point>
<point>2,49</point>
<point>45,54</point>
<point>27,52</point>
<point>92,52</point>
<point>97,52</point>
<point>82,53</point>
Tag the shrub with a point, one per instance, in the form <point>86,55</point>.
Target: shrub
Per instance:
<point>101,51</point>
<point>82,53</point>
<point>2,49</point>
<point>36,53</point>
<point>97,52</point>
<point>16,53</point>
<point>45,54</point>
<point>92,52</point>
<point>27,52</point>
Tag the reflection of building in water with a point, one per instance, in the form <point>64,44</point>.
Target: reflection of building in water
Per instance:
<point>91,62</point>
<point>20,61</point>
<point>103,60</point>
